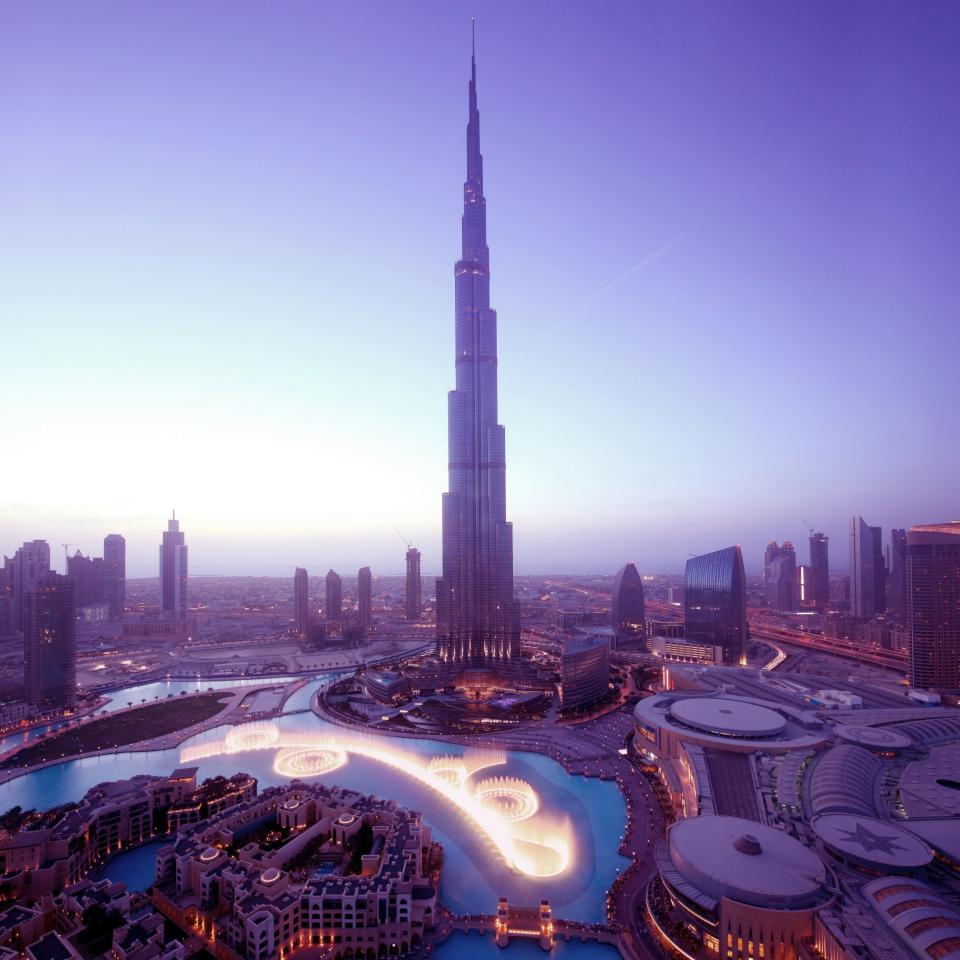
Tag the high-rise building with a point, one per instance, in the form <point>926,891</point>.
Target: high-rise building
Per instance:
<point>897,575</point>
<point>301,602</point>
<point>627,610</point>
<point>933,605</point>
<point>30,563</point>
<point>476,615</point>
<point>115,574</point>
<point>173,571</point>
<point>50,642</point>
<point>6,595</point>
<point>333,608</point>
<point>820,568</point>
<point>867,570</point>
<point>780,566</point>
<point>803,589</point>
<point>364,600</point>
<point>413,604</point>
<point>715,602</point>
<point>87,576</point>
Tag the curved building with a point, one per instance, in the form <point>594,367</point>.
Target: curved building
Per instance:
<point>743,890</point>
<point>923,921</point>
<point>628,611</point>
<point>715,602</point>
<point>584,670</point>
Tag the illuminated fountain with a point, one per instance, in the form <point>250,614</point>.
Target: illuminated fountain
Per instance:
<point>505,809</point>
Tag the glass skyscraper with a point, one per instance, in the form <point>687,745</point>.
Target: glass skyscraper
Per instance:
<point>173,572</point>
<point>476,617</point>
<point>628,610</point>
<point>50,642</point>
<point>715,602</point>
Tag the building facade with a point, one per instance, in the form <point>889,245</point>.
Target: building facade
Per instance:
<point>413,604</point>
<point>365,600</point>
<point>628,612</point>
<point>173,571</point>
<point>115,574</point>
<point>333,605</point>
<point>50,643</point>
<point>867,570</point>
<point>780,570</point>
<point>30,563</point>
<point>584,669</point>
<point>476,617</point>
<point>897,575</point>
<point>820,568</point>
<point>87,576</point>
<point>715,602</point>
<point>933,605</point>
<point>301,602</point>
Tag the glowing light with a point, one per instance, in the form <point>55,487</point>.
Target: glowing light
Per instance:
<point>513,799</point>
<point>506,810</point>
<point>299,762</point>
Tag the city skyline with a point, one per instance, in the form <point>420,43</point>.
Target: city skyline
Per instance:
<point>650,266</point>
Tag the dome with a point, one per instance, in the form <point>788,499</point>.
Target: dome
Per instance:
<point>746,861</point>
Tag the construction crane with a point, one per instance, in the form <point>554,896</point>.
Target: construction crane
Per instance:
<point>407,543</point>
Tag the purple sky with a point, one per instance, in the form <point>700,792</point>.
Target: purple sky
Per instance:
<point>724,255</point>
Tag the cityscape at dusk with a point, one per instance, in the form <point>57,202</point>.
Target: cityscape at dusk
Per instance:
<point>643,644</point>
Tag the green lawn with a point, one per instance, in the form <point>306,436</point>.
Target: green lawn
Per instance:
<point>120,729</point>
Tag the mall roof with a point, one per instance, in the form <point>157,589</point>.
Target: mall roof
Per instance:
<point>844,781</point>
<point>874,843</point>
<point>728,718</point>
<point>746,861</point>
<point>923,921</point>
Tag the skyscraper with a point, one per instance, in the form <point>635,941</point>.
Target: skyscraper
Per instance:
<point>867,570</point>
<point>820,568</point>
<point>715,602</point>
<point>333,608</point>
<point>897,575</point>
<point>933,605</point>
<point>301,602</point>
<point>30,563</point>
<point>628,612</point>
<point>50,642</point>
<point>476,617</point>
<point>115,574</point>
<point>780,564</point>
<point>87,576</point>
<point>173,571</point>
<point>364,599</point>
<point>413,604</point>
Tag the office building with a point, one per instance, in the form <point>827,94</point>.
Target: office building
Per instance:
<point>780,568</point>
<point>867,570</point>
<point>301,602</point>
<point>115,574</point>
<point>820,568</point>
<point>333,607</point>
<point>30,563</point>
<point>476,617</point>
<point>715,602</point>
<point>50,643</point>
<point>584,669</point>
<point>413,603</point>
<point>897,575</point>
<point>628,613</point>
<point>933,605</point>
<point>173,571</point>
<point>804,587</point>
<point>87,576</point>
<point>364,600</point>
<point>6,595</point>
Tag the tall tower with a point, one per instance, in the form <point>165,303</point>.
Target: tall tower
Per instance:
<point>333,608</point>
<point>933,605</point>
<point>173,571</point>
<point>50,642</point>
<point>476,617</point>
<point>820,567</point>
<point>628,611</point>
<point>365,599</point>
<point>868,572</point>
<point>413,604</point>
<point>30,563</point>
<point>115,573</point>
<point>301,602</point>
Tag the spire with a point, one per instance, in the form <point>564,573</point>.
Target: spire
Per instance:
<point>474,159</point>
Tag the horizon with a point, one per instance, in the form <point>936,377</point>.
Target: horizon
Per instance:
<point>212,307</point>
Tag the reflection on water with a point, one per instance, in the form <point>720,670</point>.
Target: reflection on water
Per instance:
<point>472,946</point>
<point>136,868</point>
<point>474,875</point>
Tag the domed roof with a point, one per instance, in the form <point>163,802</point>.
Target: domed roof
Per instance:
<point>746,861</point>
<point>728,718</point>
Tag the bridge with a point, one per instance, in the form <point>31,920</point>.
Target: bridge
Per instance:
<point>535,923</point>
